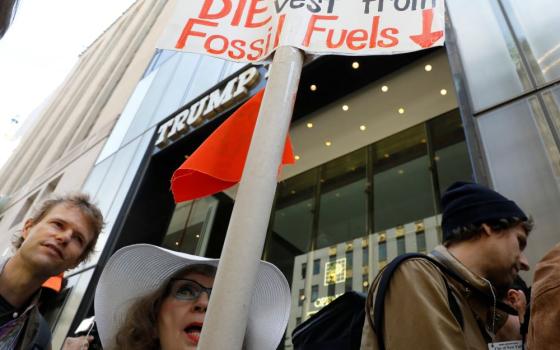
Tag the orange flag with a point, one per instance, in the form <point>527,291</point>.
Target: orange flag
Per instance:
<point>218,162</point>
<point>54,283</point>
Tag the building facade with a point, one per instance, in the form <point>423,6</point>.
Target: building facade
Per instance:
<point>377,139</point>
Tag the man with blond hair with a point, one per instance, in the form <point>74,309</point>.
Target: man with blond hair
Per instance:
<point>60,234</point>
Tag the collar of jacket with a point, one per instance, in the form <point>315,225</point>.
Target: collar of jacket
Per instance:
<point>483,307</point>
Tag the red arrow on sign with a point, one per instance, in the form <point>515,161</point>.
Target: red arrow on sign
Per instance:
<point>427,38</point>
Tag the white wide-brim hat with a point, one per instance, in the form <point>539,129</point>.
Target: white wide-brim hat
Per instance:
<point>137,270</point>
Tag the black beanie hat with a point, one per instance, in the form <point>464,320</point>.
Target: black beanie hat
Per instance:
<point>467,203</point>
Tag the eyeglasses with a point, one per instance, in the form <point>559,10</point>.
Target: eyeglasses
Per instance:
<point>185,289</point>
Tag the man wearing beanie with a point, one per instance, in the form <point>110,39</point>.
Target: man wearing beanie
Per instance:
<point>455,305</point>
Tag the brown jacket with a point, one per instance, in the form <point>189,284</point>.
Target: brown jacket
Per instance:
<point>544,327</point>
<point>417,314</point>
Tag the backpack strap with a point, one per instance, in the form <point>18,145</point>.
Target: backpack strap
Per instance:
<point>379,307</point>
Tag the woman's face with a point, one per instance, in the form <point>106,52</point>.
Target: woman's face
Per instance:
<point>181,315</point>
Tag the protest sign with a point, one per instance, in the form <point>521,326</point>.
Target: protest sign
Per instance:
<point>250,30</point>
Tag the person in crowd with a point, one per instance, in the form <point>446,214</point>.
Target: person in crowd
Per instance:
<point>516,297</point>
<point>484,235</point>
<point>59,235</point>
<point>8,10</point>
<point>545,303</point>
<point>152,298</point>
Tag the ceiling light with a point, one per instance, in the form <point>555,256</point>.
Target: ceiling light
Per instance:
<point>401,110</point>
<point>297,157</point>
<point>362,127</point>
<point>423,141</point>
<point>328,143</point>
<point>309,125</point>
<point>345,108</point>
<point>293,191</point>
<point>428,68</point>
<point>197,236</point>
<point>384,88</point>
<point>436,158</point>
<point>443,92</point>
<point>386,155</point>
<point>355,64</point>
<point>176,243</point>
<point>313,87</point>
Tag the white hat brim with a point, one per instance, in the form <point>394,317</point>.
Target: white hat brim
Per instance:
<point>137,270</point>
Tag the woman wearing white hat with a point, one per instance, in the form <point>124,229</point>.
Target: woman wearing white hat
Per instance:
<point>149,297</point>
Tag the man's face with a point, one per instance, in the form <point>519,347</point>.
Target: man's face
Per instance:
<point>504,254</point>
<point>56,243</point>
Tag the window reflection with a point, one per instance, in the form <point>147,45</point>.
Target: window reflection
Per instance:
<point>343,199</point>
<point>402,185</point>
<point>290,234</point>
<point>536,25</point>
<point>552,100</point>
<point>451,155</point>
<point>401,249</point>
<point>421,242</point>
<point>492,63</point>
<point>326,219</point>
<point>189,227</point>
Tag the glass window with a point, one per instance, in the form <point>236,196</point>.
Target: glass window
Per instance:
<point>536,24</point>
<point>343,199</point>
<point>383,251</point>
<point>401,249</point>
<point>314,293</point>
<point>159,58</point>
<point>292,219</point>
<point>520,150</point>
<point>118,169</point>
<point>451,156</point>
<point>207,74</point>
<point>492,63</point>
<point>232,67</point>
<point>301,297</point>
<point>177,86</point>
<point>303,270</point>
<point>402,184</point>
<point>365,256</point>
<point>316,266</point>
<point>96,177</point>
<point>24,209</point>
<point>349,260</point>
<point>552,101</point>
<point>348,284</point>
<point>421,242</point>
<point>190,225</point>
<point>125,119</point>
<point>152,99</point>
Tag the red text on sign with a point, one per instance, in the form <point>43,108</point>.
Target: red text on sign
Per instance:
<point>253,14</point>
<point>238,49</point>
<point>353,39</point>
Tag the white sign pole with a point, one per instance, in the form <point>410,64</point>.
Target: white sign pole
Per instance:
<point>226,318</point>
